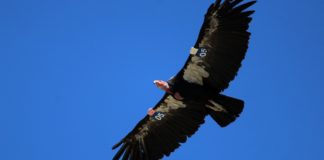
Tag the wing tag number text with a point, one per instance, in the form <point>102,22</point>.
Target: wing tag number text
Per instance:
<point>202,52</point>
<point>158,116</point>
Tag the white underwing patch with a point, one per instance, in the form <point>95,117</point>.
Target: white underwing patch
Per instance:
<point>195,72</point>
<point>170,103</point>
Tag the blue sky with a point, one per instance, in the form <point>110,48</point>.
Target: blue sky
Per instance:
<point>76,76</point>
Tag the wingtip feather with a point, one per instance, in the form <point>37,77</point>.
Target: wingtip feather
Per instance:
<point>117,145</point>
<point>120,152</point>
<point>246,5</point>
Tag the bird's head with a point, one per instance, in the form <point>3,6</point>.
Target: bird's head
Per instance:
<point>162,85</point>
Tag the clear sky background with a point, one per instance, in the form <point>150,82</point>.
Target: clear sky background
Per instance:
<point>76,76</point>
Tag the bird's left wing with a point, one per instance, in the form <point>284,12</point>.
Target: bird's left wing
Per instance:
<point>161,133</point>
<point>221,45</point>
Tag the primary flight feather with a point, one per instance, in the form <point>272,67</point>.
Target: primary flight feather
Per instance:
<point>194,92</point>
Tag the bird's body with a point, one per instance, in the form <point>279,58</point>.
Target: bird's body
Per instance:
<point>195,91</point>
<point>191,91</point>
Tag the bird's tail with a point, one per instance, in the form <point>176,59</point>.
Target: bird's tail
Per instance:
<point>224,109</point>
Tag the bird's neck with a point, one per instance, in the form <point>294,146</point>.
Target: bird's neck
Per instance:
<point>176,95</point>
<point>168,90</point>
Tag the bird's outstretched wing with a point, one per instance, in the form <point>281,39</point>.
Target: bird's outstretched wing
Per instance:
<point>161,133</point>
<point>221,45</point>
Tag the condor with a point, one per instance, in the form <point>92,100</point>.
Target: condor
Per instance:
<point>195,91</point>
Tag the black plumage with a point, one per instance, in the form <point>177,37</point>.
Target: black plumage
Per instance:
<point>194,91</point>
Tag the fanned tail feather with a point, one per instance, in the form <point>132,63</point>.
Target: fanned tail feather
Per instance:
<point>224,109</point>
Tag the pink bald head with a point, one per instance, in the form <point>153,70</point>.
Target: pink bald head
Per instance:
<point>162,85</point>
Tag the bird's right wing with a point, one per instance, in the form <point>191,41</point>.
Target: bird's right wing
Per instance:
<point>160,134</point>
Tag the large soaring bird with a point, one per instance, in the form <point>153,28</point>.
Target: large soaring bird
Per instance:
<point>194,92</point>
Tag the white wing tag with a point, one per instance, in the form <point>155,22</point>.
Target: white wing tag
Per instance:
<point>193,51</point>
<point>200,52</point>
